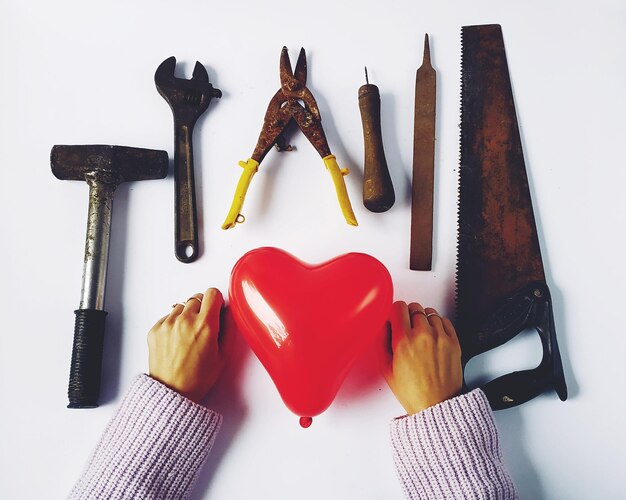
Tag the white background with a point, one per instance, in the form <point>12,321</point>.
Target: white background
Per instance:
<point>78,72</point>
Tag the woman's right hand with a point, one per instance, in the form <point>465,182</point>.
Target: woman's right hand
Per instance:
<point>183,349</point>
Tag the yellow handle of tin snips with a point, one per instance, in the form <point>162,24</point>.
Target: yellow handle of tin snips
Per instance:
<point>250,167</point>
<point>337,175</point>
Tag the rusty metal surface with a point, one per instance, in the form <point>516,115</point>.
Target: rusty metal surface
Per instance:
<point>292,103</point>
<point>102,168</point>
<point>188,99</point>
<point>421,252</point>
<point>107,164</point>
<point>501,286</point>
<point>498,246</point>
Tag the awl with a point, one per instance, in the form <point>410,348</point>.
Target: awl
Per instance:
<point>378,193</point>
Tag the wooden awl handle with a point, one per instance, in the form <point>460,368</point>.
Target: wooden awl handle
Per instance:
<point>378,193</point>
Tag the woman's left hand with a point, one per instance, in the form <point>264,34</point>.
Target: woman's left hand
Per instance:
<point>423,367</point>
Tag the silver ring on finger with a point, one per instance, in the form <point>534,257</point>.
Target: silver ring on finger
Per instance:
<point>195,298</point>
<point>433,314</point>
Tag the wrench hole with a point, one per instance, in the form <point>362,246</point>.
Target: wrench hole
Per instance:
<point>186,251</point>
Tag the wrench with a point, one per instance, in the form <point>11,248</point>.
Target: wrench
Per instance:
<point>188,99</point>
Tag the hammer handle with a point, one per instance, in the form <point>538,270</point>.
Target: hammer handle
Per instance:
<point>86,367</point>
<point>186,224</point>
<point>378,193</point>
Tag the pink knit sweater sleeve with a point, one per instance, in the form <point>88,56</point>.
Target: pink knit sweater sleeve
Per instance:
<point>153,448</point>
<point>451,451</point>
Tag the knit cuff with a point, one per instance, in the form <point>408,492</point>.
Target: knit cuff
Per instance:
<point>451,450</point>
<point>154,447</point>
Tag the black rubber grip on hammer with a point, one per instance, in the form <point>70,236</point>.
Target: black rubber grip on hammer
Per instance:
<point>86,367</point>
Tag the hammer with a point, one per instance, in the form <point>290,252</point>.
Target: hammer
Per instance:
<point>103,168</point>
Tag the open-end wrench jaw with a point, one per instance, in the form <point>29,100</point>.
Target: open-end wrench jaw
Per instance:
<point>187,98</point>
<point>199,73</point>
<point>164,75</point>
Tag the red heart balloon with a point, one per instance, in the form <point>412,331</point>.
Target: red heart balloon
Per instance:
<point>308,323</point>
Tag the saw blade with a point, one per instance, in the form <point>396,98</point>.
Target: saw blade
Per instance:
<point>498,248</point>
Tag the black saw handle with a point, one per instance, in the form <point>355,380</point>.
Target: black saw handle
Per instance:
<point>519,387</point>
<point>86,367</point>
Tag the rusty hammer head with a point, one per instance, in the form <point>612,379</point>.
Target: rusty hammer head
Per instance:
<point>108,164</point>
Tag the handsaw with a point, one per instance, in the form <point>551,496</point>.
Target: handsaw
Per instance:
<point>501,284</point>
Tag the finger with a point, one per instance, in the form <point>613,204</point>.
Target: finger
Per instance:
<point>400,323</point>
<point>418,316</point>
<point>228,331</point>
<point>384,352</point>
<point>214,317</point>
<point>212,303</point>
<point>176,310</point>
<point>231,344</point>
<point>434,319</point>
<point>194,303</point>
<point>449,329</point>
<point>160,321</point>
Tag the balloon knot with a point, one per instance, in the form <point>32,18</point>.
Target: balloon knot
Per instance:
<point>305,422</point>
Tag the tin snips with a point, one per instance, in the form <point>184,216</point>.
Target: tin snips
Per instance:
<point>292,102</point>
